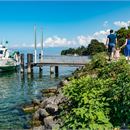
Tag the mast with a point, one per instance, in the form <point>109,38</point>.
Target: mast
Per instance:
<point>35,45</point>
<point>41,44</point>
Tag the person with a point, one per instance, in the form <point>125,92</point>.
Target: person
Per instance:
<point>117,53</point>
<point>111,43</point>
<point>127,47</point>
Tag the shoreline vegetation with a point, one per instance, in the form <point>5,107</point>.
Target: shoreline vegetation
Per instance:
<point>94,97</point>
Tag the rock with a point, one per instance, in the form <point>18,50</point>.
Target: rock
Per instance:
<point>62,83</point>
<point>43,113</point>
<point>39,128</point>
<point>50,100</point>
<point>51,108</point>
<point>49,122</point>
<point>48,94</point>
<point>60,98</point>
<point>35,102</point>
<point>29,109</point>
<point>36,115</point>
<point>65,82</point>
<point>35,123</point>
<point>50,90</point>
<point>43,104</point>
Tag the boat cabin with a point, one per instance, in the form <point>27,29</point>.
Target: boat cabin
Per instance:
<point>3,52</point>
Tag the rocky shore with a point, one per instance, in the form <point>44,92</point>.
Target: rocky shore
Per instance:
<point>46,112</point>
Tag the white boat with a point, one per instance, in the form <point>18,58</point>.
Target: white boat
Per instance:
<point>8,62</point>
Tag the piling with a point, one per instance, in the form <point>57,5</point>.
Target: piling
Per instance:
<point>51,70</point>
<point>40,68</point>
<point>29,63</point>
<point>56,71</point>
<point>22,63</point>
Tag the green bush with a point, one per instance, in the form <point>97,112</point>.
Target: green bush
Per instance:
<point>102,101</point>
<point>88,107</point>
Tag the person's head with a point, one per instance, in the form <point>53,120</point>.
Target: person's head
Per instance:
<point>111,31</point>
<point>128,36</point>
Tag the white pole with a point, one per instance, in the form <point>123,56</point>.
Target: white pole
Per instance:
<point>35,46</point>
<point>42,45</point>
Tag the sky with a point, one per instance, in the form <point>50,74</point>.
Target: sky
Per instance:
<point>64,23</point>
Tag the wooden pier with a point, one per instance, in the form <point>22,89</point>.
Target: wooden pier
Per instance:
<point>54,62</point>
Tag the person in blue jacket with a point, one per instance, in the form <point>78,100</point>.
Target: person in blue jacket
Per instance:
<point>111,43</point>
<point>127,47</point>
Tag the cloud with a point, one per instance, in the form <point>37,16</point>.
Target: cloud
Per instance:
<point>84,40</point>
<point>56,41</point>
<point>122,23</point>
<point>102,32</point>
<point>105,24</point>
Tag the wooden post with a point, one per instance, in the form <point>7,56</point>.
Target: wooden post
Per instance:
<point>56,71</point>
<point>40,68</point>
<point>29,63</point>
<point>51,70</point>
<point>22,63</point>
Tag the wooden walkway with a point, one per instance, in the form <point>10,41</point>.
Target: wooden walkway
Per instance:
<point>63,61</point>
<point>53,61</point>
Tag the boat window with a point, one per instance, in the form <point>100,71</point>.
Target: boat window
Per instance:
<point>1,51</point>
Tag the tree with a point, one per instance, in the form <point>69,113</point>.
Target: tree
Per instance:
<point>95,47</point>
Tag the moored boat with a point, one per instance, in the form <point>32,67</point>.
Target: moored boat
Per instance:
<point>8,62</point>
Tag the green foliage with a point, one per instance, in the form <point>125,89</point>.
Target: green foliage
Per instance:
<point>89,107</point>
<point>99,60</point>
<point>95,47</point>
<point>122,35</point>
<point>102,101</point>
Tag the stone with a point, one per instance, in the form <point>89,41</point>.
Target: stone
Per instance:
<point>39,128</point>
<point>65,82</point>
<point>51,108</point>
<point>35,123</point>
<point>35,102</point>
<point>28,109</point>
<point>50,90</point>
<point>60,99</point>
<point>50,100</point>
<point>43,104</point>
<point>36,115</point>
<point>43,113</point>
<point>49,122</point>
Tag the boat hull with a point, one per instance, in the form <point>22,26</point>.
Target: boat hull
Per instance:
<point>8,68</point>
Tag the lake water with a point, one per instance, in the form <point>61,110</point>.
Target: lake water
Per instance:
<point>17,89</point>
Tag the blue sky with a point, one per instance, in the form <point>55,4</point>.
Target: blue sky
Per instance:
<point>65,23</point>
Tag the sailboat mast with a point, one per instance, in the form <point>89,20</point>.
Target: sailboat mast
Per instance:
<point>35,45</point>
